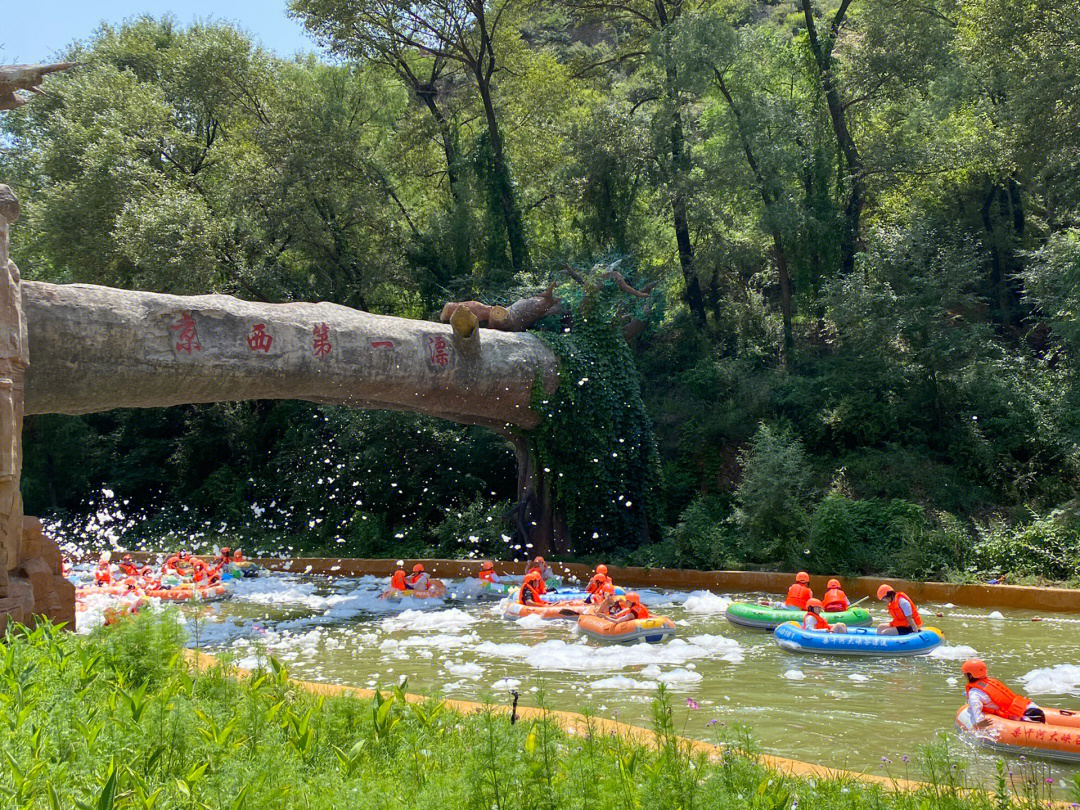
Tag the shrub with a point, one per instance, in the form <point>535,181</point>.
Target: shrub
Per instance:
<point>475,530</point>
<point>850,536</point>
<point>702,538</point>
<point>1046,547</point>
<point>771,496</point>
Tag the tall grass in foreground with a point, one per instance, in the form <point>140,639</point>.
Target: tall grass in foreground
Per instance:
<point>119,720</point>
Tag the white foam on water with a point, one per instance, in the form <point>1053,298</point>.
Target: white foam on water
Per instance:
<point>795,675</point>
<point>533,622</point>
<point>855,676</point>
<point>997,614</point>
<point>506,683</point>
<point>679,677</point>
<point>953,652</point>
<point>559,655</point>
<point>706,602</point>
<point>1060,679</point>
<point>465,670</point>
<point>621,682</point>
<point>417,621</point>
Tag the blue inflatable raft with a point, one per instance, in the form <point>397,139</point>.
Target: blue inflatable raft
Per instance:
<point>856,641</point>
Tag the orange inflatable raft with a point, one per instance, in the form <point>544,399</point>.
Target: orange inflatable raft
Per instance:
<point>652,630</point>
<point>188,592</point>
<point>436,589</point>
<point>569,609</point>
<point>1058,738</point>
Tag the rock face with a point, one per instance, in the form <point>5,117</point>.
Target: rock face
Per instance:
<point>97,348</point>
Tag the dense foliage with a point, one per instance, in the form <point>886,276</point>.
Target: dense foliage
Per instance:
<point>121,720</point>
<point>864,219</point>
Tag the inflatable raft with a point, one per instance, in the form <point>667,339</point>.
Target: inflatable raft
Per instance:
<point>436,590</point>
<point>188,592</point>
<point>652,630</point>
<point>556,610</point>
<point>1058,738</point>
<point>857,641</point>
<point>767,617</point>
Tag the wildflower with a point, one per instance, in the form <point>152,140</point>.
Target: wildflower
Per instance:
<point>905,758</point>
<point>713,722</point>
<point>693,704</point>
<point>1049,780</point>
<point>886,761</point>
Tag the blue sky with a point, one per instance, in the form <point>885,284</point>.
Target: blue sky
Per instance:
<point>34,30</point>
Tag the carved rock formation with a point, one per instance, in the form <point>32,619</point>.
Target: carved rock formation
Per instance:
<point>14,78</point>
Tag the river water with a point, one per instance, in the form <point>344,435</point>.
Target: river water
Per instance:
<point>851,713</point>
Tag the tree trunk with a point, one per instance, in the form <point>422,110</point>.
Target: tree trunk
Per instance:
<point>515,229</point>
<point>96,348</point>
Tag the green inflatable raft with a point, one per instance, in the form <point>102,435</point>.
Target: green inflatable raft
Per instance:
<point>765,617</point>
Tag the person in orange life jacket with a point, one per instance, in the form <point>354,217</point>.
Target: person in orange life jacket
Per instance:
<point>540,565</point>
<point>224,557</point>
<point>607,604</point>
<point>237,556</point>
<point>530,593</point>
<point>813,620</point>
<point>799,593</point>
<point>397,581</point>
<point>630,608</point>
<point>905,618</point>
<point>103,575</point>
<point>487,572</point>
<point>418,580</point>
<point>128,566</point>
<point>989,696</point>
<point>834,600</point>
<point>599,580</point>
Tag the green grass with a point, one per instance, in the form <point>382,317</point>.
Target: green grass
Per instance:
<point>120,720</point>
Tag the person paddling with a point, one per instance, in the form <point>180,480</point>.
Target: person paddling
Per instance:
<point>596,584</point>
<point>799,593</point>
<point>487,572</point>
<point>630,608</point>
<point>990,696</point>
<point>834,600</point>
<point>418,580</point>
<point>813,620</point>
<point>904,615</point>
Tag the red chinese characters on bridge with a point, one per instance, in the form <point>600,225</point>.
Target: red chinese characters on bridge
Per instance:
<point>187,338</point>
<point>320,344</point>
<point>438,351</point>
<point>259,340</point>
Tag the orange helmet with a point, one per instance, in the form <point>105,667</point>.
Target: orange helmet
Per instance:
<point>633,598</point>
<point>802,577</point>
<point>601,569</point>
<point>539,559</point>
<point>487,565</point>
<point>813,603</point>
<point>532,576</point>
<point>833,583</point>
<point>607,587</point>
<point>127,558</point>
<point>225,551</point>
<point>975,667</point>
<point>884,590</point>
<point>417,568</point>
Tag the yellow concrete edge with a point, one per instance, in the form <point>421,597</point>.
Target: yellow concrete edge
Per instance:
<point>1064,600</point>
<point>579,724</point>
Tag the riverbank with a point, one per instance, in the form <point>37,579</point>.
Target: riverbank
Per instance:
<point>120,719</point>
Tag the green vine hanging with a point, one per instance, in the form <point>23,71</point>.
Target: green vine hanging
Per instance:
<point>595,441</point>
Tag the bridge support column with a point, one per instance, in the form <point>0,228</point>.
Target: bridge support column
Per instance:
<point>31,581</point>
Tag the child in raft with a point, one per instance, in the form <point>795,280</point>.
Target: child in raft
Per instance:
<point>905,618</point>
<point>990,696</point>
<point>530,593</point>
<point>595,588</point>
<point>418,580</point>
<point>487,572</point>
<point>626,608</point>
<point>813,620</point>
<point>540,565</point>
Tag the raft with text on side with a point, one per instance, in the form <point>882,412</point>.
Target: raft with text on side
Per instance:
<point>189,592</point>
<point>513,609</point>
<point>767,617</point>
<point>1058,738</point>
<point>436,589</point>
<point>509,588</point>
<point>856,641</point>
<point>600,628</point>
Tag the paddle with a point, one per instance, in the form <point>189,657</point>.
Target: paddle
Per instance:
<point>856,604</point>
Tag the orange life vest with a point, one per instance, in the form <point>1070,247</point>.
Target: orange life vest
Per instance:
<point>898,617</point>
<point>397,581</point>
<point>130,569</point>
<point>835,600</point>
<point>597,582</point>
<point>821,624</point>
<point>172,561</point>
<point>487,575</point>
<point>102,575</point>
<point>798,595</point>
<point>530,593</point>
<point>639,610</point>
<point>1009,704</point>
<point>412,579</point>
<point>541,586</point>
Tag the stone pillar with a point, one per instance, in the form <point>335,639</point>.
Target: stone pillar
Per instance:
<point>14,358</point>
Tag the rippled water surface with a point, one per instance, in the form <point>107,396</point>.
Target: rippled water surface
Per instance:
<point>843,712</point>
